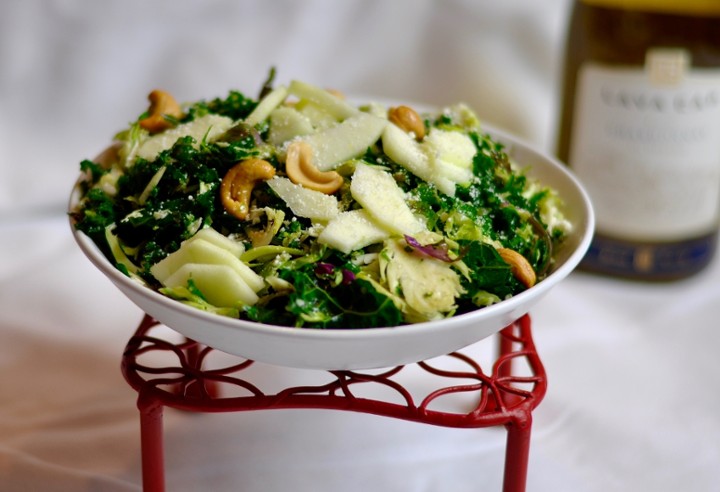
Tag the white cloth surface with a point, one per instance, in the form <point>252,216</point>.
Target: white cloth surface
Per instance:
<point>632,403</point>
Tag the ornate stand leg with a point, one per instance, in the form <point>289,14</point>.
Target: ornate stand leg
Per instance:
<point>151,443</point>
<point>517,452</point>
<point>505,347</point>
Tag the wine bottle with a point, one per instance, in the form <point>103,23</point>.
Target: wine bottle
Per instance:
<point>640,126</point>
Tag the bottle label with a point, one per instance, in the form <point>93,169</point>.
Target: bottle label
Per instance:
<point>646,144</point>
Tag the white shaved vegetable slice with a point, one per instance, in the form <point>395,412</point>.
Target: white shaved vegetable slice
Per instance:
<point>305,202</point>
<point>406,151</point>
<point>220,284</point>
<point>379,194</point>
<point>351,231</point>
<point>345,141</point>
<point>328,101</point>
<point>266,106</point>
<point>201,251</point>
<point>316,115</point>
<point>207,127</point>
<point>287,123</point>
<point>451,155</point>
<point>236,248</point>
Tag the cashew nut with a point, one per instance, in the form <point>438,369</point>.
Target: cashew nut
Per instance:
<point>162,104</point>
<point>300,170</point>
<point>238,183</point>
<point>519,266</point>
<point>408,120</point>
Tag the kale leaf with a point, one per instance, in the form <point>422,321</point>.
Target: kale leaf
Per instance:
<point>319,300</point>
<point>98,213</point>
<point>487,271</point>
<point>236,106</point>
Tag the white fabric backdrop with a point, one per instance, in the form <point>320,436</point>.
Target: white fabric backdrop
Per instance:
<point>632,403</point>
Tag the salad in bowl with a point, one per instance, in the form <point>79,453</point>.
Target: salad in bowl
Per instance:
<point>301,209</point>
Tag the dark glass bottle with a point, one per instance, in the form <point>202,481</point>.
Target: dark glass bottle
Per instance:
<point>640,126</point>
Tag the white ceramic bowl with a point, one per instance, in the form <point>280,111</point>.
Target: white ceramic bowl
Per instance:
<point>369,347</point>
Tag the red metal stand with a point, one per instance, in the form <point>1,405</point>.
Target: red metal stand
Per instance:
<point>502,397</point>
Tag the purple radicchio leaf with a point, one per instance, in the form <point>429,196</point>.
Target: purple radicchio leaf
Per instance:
<point>348,277</point>
<point>322,269</point>
<point>438,251</point>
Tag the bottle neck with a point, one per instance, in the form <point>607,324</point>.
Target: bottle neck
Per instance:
<point>703,8</point>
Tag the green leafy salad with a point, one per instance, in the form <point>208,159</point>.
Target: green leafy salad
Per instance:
<point>299,208</point>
